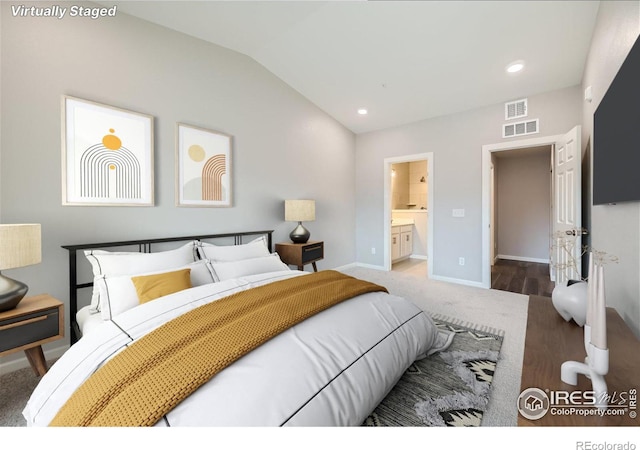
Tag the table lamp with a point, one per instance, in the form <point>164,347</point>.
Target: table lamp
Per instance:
<point>19,247</point>
<point>299,211</point>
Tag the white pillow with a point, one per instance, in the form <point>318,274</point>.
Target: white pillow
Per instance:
<point>109,263</point>
<point>254,249</point>
<point>253,266</point>
<point>118,293</point>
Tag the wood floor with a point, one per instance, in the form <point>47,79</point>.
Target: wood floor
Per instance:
<point>521,277</point>
<point>506,275</point>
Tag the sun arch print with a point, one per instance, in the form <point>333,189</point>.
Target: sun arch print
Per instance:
<point>107,155</point>
<point>212,172</point>
<point>110,170</point>
<point>204,167</point>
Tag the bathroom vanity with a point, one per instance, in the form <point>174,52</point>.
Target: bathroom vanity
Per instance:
<point>401,239</point>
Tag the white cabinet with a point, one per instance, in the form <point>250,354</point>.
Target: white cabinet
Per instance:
<point>395,243</point>
<point>406,242</point>
<point>401,242</point>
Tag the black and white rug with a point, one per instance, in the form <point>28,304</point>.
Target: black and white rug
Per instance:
<point>450,388</point>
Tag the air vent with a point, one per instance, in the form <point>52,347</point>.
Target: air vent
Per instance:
<point>516,109</point>
<point>520,128</point>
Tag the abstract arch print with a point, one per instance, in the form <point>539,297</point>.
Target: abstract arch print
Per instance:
<point>110,170</point>
<point>107,155</point>
<point>204,163</point>
<point>212,173</point>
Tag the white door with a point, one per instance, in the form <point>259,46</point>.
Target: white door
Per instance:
<point>567,209</point>
<point>492,215</point>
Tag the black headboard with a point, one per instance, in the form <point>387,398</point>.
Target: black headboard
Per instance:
<point>144,246</point>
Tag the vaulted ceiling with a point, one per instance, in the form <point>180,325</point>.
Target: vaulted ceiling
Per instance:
<point>402,61</point>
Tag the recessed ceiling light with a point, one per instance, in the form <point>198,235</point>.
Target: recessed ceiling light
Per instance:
<point>363,111</point>
<point>515,66</point>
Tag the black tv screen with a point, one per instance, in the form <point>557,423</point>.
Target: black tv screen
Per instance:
<point>616,136</point>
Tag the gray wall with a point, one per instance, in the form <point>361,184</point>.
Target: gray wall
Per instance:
<point>524,205</point>
<point>456,142</point>
<point>284,146</point>
<point>615,229</point>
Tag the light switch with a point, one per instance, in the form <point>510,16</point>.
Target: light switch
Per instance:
<point>458,213</point>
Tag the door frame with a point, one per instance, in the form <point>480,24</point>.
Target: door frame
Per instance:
<point>486,192</point>
<point>492,213</point>
<point>387,205</point>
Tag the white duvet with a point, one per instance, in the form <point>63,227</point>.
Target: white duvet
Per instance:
<point>331,369</point>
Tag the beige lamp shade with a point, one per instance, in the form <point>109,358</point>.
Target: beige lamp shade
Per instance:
<point>299,210</point>
<point>19,245</point>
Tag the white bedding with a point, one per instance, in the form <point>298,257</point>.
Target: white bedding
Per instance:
<point>88,320</point>
<point>331,369</point>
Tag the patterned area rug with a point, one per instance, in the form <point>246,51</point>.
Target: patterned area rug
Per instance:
<point>449,388</point>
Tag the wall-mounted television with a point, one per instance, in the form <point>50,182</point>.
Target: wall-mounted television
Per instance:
<point>616,136</point>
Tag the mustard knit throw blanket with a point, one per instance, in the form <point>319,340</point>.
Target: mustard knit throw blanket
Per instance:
<point>145,381</point>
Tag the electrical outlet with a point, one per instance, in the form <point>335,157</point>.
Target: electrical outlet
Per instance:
<point>373,250</point>
<point>461,261</point>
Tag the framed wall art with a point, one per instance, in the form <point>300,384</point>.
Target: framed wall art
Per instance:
<point>107,155</point>
<point>203,165</point>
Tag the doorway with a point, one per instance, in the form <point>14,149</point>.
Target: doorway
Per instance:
<point>521,220</point>
<point>408,208</point>
<point>566,196</point>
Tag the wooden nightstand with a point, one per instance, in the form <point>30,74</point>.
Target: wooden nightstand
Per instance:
<point>35,321</point>
<point>301,254</point>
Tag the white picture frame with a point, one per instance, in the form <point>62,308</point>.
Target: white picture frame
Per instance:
<point>203,167</point>
<point>107,155</point>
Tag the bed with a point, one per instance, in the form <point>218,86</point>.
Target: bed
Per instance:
<point>330,365</point>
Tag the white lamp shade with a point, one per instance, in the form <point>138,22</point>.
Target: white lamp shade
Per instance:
<point>299,210</point>
<point>19,245</point>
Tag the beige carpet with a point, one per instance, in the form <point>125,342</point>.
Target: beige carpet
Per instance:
<point>496,309</point>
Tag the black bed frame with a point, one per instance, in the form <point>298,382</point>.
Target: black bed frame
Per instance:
<point>144,246</point>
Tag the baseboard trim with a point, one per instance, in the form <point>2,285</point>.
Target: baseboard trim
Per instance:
<point>370,266</point>
<point>21,363</point>
<point>346,267</point>
<point>422,257</point>
<point>524,259</point>
<point>458,281</point>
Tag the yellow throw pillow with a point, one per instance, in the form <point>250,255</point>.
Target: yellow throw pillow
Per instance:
<point>150,287</point>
